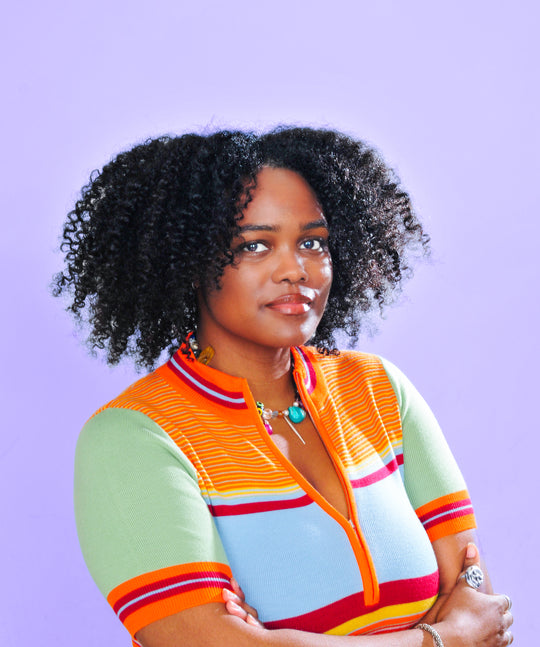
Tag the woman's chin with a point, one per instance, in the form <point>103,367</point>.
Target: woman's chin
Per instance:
<point>286,338</point>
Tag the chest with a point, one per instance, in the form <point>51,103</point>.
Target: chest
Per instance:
<point>295,556</point>
<point>308,455</point>
<point>324,521</point>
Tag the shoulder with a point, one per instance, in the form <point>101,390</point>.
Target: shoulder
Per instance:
<point>344,362</point>
<point>367,368</point>
<point>115,436</point>
<point>127,424</point>
<point>340,358</point>
<point>348,370</point>
<point>117,424</point>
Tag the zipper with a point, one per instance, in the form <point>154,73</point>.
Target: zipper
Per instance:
<point>351,526</point>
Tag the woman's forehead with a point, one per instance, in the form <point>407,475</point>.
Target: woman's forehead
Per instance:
<point>282,195</point>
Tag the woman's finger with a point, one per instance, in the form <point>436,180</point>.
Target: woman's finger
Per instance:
<point>229,596</point>
<point>239,608</point>
<point>236,588</point>
<point>472,556</point>
<point>253,621</point>
<point>236,610</point>
<point>471,574</point>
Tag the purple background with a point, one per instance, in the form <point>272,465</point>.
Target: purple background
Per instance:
<point>448,92</point>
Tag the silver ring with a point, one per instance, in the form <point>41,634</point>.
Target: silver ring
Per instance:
<point>508,600</point>
<point>474,576</point>
<point>510,637</point>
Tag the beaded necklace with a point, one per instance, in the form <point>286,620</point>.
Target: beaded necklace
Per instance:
<point>295,413</point>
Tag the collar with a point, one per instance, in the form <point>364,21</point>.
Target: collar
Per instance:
<point>200,381</point>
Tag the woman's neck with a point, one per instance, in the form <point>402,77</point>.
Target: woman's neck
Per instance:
<point>268,371</point>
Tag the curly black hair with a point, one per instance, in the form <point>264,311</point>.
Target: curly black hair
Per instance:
<point>159,220</point>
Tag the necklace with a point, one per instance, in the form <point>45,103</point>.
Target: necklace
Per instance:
<point>295,413</point>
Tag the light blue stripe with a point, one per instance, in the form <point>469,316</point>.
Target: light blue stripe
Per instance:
<point>168,588</point>
<point>444,514</point>
<point>205,388</point>
<point>300,550</point>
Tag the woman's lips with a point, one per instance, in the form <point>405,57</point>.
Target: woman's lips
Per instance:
<point>291,304</point>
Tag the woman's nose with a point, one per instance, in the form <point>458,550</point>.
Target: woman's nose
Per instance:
<point>290,266</point>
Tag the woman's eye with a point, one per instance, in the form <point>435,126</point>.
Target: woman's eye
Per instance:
<point>254,247</point>
<point>314,244</point>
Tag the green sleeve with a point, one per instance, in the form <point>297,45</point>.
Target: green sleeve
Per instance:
<point>430,470</point>
<point>138,506</point>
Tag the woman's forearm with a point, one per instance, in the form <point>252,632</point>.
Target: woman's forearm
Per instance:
<point>211,626</point>
<point>407,638</point>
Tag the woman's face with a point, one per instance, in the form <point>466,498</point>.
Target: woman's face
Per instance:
<point>275,293</point>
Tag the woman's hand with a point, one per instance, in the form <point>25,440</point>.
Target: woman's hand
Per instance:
<point>236,605</point>
<point>466,616</point>
<point>474,618</point>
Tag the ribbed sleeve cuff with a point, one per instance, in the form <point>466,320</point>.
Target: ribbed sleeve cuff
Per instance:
<point>447,515</point>
<point>155,595</point>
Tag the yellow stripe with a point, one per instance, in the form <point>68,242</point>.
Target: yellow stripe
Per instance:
<point>395,611</point>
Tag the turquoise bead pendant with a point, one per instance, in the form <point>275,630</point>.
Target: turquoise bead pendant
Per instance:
<point>296,414</point>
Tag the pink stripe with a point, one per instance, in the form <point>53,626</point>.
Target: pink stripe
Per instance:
<point>310,371</point>
<point>447,517</point>
<point>178,356</point>
<point>163,595</point>
<point>380,474</point>
<point>353,606</point>
<point>209,576</point>
<point>209,385</point>
<point>445,508</point>
<point>265,506</point>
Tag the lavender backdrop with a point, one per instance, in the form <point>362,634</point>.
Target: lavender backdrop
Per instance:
<point>448,91</point>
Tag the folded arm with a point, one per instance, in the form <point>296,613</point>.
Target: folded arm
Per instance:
<point>462,616</point>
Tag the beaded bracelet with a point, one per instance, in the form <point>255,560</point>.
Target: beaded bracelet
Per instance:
<point>437,640</point>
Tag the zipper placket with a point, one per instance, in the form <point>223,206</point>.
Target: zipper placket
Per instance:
<point>351,526</point>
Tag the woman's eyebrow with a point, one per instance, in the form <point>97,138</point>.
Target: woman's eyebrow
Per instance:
<point>257,228</point>
<point>314,224</point>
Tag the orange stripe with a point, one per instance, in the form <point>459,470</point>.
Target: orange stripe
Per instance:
<point>451,527</point>
<point>392,624</point>
<point>173,604</point>
<point>163,608</point>
<point>152,396</point>
<point>379,420</point>
<point>161,574</point>
<point>441,501</point>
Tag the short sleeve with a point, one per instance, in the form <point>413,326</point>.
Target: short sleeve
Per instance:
<point>433,480</point>
<point>146,533</point>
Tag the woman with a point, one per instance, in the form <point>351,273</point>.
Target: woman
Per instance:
<point>318,481</point>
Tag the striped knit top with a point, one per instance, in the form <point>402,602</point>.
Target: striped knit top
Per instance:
<point>178,485</point>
